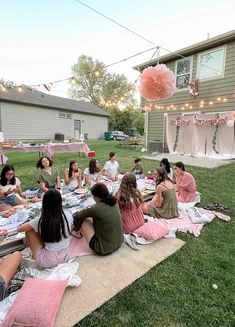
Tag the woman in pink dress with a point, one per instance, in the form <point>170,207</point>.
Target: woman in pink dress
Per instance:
<point>130,200</point>
<point>185,184</point>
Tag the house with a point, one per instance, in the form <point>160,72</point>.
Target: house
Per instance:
<point>27,114</point>
<point>212,62</point>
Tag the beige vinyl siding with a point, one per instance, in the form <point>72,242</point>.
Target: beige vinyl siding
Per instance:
<point>208,90</point>
<point>32,123</point>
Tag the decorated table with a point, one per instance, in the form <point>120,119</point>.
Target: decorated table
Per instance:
<point>74,201</point>
<point>49,149</point>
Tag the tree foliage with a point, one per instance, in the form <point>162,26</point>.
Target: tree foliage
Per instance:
<point>112,92</point>
<point>93,83</point>
<point>124,120</point>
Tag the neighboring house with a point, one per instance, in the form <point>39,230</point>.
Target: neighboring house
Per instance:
<point>34,115</point>
<point>213,63</point>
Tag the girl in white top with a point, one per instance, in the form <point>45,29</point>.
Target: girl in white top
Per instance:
<point>9,187</point>
<point>48,235</point>
<point>91,174</point>
<point>72,177</point>
<point>110,169</point>
<point>165,163</point>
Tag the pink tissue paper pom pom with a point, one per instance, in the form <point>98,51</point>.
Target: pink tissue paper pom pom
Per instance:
<point>157,83</point>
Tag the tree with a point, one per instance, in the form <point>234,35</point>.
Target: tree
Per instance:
<point>6,83</point>
<point>123,120</point>
<point>91,82</point>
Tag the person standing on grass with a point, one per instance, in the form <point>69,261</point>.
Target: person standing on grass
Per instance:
<point>185,184</point>
<point>72,177</point>
<point>49,175</point>
<point>130,200</point>
<point>101,223</point>
<point>48,234</point>
<point>110,169</point>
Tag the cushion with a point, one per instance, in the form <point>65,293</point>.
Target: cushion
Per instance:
<point>36,304</point>
<point>152,230</point>
<point>198,215</point>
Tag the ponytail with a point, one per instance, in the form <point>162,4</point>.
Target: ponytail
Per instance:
<point>110,200</point>
<point>100,191</point>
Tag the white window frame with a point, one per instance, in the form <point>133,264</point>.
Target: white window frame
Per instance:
<point>189,113</point>
<point>223,67</point>
<point>191,70</point>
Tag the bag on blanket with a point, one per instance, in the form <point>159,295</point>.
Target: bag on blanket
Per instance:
<point>198,215</point>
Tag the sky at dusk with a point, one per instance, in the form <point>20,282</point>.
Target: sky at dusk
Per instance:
<point>41,40</point>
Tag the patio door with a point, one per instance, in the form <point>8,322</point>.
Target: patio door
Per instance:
<point>77,129</point>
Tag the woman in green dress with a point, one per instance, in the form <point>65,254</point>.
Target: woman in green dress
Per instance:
<point>49,176</point>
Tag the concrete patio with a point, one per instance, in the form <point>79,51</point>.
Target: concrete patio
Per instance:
<point>192,161</point>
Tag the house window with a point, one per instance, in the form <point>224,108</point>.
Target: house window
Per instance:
<point>183,73</point>
<point>65,115</point>
<point>211,64</point>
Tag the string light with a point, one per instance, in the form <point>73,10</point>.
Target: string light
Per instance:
<point>19,89</point>
<point>97,73</point>
<point>225,100</point>
<point>218,99</point>
<point>210,103</point>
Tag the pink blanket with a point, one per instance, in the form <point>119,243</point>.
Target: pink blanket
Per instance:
<point>78,247</point>
<point>184,223</point>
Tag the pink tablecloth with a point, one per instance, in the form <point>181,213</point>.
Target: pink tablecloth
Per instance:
<point>50,149</point>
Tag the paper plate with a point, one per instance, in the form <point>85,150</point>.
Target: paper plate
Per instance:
<point>150,187</point>
<point>80,191</point>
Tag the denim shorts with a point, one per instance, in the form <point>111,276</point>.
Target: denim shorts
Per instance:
<point>11,199</point>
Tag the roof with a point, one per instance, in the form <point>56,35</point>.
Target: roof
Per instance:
<point>35,98</point>
<point>198,47</point>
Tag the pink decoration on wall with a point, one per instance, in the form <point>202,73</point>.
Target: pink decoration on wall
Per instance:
<point>194,88</point>
<point>157,83</point>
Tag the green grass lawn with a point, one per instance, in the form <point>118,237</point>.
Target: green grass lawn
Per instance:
<point>178,292</point>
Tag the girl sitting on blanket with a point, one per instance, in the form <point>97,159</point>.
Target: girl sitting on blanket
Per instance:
<point>130,200</point>
<point>9,187</point>
<point>72,177</point>
<point>91,174</point>
<point>49,176</point>
<point>165,163</point>
<point>164,203</point>
<point>48,235</point>
<point>101,223</point>
<point>110,169</point>
<point>185,184</point>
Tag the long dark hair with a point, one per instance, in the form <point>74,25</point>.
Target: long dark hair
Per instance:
<point>5,169</point>
<point>52,220</point>
<point>39,162</point>
<point>180,165</point>
<point>111,154</point>
<point>129,192</point>
<point>162,175</point>
<point>70,167</point>
<point>165,163</point>
<point>93,167</point>
<point>100,191</point>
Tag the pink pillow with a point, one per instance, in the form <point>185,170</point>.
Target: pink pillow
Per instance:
<point>152,230</point>
<point>36,304</point>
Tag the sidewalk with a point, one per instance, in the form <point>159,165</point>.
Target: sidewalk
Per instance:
<point>191,161</point>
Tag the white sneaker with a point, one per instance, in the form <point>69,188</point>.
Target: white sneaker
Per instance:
<point>130,241</point>
<point>171,234</point>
